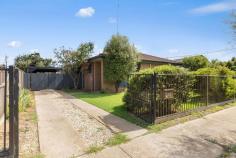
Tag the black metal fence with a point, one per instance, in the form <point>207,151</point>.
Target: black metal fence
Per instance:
<point>156,98</point>
<point>9,142</point>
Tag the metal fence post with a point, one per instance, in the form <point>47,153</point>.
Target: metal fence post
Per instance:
<point>234,89</point>
<point>5,108</point>
<point>207,90</point>
<point>16,113</point>
<point>11,111</point>
<point>154,92</point>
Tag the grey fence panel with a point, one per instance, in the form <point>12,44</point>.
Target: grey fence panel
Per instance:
<point>68,82</point>
<point>26,80</point>
<point>55,81</point>
<point>40,81</point>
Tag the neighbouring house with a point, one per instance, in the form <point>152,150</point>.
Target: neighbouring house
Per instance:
<point>93,71</point>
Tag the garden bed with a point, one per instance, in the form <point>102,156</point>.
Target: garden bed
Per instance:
<point>28,132</point>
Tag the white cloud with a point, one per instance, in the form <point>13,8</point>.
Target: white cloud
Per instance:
<point>173,51</point>
<point>112,20</point>
<point>215,7</point>
<point>85,12</point>
<point>14,44</point>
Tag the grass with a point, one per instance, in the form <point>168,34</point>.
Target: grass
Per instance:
<point>94,149</point>
<point>113,103</point>
<point>117,139</point>
<point>110,102</point>
<point>25,100</point>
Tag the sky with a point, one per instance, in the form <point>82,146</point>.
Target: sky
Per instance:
<point>164,28</point>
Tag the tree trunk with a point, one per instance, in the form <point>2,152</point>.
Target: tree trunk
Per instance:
<point>75,81</point>
<point>117,86</point>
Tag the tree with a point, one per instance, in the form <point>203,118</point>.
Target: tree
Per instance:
<point>216,63</point>
<point>72,60</point>
<point>33,59</point>
<point>120,59</point>
<point>231,64</point>
<point>196,62</point>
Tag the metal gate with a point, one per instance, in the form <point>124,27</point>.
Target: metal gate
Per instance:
<point>9,124</point>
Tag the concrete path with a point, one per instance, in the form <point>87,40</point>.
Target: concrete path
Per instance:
<point>114,123</point>
<point>201,138</point>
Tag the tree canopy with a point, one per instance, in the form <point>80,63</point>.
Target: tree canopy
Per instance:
<point>120,59</point>
<point>72,60</point>
<point>33,59</point>
<point>195,62</point>
<point>231,64</point>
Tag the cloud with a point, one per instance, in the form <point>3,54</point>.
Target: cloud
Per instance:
<point>85,12</point>
<point>14,44</point>
<point>112,20</point>
<point>173,51</point>
<point>215,7</point>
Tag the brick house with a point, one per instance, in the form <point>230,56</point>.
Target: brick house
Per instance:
<point>93,74</point>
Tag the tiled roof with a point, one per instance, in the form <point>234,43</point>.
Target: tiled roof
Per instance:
<point>143,57</point>
<point>146,57</point>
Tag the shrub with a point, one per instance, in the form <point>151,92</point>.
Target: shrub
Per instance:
<point>169,77</point>
<point>25,100</point>
<point>195,62</point>
<point>221,82</point>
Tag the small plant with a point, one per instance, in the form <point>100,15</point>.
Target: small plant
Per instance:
<point>25,100</point>
<point>94,149</point>
<point>34,117</point>
<point>38,155</point>
<point>117,139</point>
<point>102,92</point>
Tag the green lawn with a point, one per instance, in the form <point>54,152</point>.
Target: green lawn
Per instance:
<point>109,102</point>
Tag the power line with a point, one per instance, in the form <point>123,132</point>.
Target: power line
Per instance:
<point>207,53</point>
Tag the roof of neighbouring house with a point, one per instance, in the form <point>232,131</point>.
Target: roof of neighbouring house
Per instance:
<point>143,57</point>
<point>147,57</point>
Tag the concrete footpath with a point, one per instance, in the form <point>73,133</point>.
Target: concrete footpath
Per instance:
<point>201,138</point>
